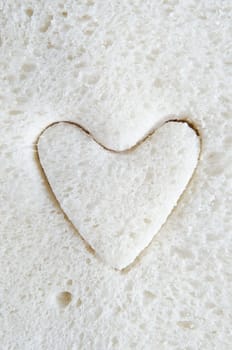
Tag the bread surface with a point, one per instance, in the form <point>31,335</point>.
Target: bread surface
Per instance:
<point>119,69</point>
<point>118,201</point>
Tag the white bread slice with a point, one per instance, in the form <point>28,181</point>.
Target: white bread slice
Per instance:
<point>118,200</point>
<point>117,68</point>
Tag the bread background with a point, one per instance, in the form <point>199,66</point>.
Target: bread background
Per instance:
<point>118,69</point>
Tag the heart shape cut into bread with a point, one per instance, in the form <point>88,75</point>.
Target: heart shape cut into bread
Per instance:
<point>118,201</point>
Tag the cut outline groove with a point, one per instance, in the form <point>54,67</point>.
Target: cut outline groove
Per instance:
<point>88,247</point>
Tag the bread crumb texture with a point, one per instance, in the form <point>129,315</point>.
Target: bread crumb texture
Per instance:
<point>118,201</point>
<point>118,68</point>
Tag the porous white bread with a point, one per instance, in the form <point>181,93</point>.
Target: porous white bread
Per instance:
<point>118,201</point>
<point>118,68</point>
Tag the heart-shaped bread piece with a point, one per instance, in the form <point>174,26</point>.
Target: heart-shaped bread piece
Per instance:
<point>118,201</point>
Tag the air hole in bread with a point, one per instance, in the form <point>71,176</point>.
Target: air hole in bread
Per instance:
<point>64,299</point>
<point>28,67</point>
<point>114,341</point>
<point>15,112</point>
<point>186,324</point>
<point>78,303</point>
<point>29,12</point>
<point>148,297</point>
<point>98,312</point>
<point>44,28</point>
<point>85,18</point>
<point>147,221</point>
<point>88,261</point>
<point>132,235</point>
